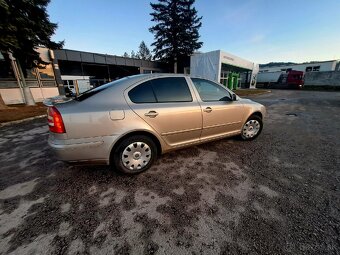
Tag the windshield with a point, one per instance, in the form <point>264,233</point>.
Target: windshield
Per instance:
<point>96,90</point>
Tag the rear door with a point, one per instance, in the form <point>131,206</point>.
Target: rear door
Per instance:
<point>169,106</point>
<point>221,116</point>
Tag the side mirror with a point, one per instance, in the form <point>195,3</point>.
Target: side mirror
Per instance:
<point>233,97</point>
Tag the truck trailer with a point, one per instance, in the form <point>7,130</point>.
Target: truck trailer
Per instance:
<point>291,79</point>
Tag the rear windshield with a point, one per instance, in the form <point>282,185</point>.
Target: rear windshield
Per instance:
<point>94,91</point>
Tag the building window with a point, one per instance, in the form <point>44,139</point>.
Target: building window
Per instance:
<point>69,87</point>
<point>68,82</point>
<point>46,71</point>
<point>6,71</point>
<point>224,78</point>
<point>312,69</point>
<point>31,74</point>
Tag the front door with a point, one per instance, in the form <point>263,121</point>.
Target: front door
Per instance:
<point>168,106</point>
<point>221,115</point>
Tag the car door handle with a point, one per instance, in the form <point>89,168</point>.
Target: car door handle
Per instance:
<point>151,114</point>
<point>208,109</point>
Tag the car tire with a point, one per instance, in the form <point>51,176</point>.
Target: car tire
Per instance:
<point>134,155</point>
<point>252,128</point>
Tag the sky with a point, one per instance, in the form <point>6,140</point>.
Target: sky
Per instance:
<point>261,31</point>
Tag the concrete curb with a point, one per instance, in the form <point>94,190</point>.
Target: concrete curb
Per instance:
<point>9,123</point>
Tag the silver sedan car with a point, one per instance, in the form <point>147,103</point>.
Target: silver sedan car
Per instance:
<point>129,122</point>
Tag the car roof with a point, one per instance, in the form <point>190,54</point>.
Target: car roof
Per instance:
<point>154,75</point>
<point>138,78</point>
<point>141,77</point>
<point>130,80</point>
<point>123,83</point>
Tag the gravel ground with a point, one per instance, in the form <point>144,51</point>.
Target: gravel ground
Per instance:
<point>278,194</point>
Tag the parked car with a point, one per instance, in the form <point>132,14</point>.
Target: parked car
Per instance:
<point>129,122</point>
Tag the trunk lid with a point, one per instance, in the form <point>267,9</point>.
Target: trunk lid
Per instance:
<point>52,101</point>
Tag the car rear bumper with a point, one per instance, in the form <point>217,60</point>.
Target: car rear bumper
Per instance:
<point>94,149</point>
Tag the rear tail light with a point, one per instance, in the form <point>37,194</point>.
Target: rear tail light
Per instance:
<point>55,121</point>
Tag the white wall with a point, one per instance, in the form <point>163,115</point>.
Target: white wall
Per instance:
<point>324,66</point>
<point>14,95</point>
<point>206,65</point>
<point>11,96</point>
<point>331,78</point>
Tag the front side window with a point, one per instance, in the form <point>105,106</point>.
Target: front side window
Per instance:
<point>210,91</point>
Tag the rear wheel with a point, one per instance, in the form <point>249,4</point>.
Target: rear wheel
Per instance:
<point>252,128</point>
<point>134,154</point>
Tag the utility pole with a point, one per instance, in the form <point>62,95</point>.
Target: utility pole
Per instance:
<point>26,92</point>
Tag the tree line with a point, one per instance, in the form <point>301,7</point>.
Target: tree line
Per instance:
<point>142,53</point>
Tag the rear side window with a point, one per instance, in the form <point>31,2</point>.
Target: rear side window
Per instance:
<point>143,93</point>
<point>174,89</point>
<point>94,91</point>
<point>161,90</point>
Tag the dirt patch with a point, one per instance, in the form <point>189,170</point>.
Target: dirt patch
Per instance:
<point>19,112</point>
<point>250,92</point>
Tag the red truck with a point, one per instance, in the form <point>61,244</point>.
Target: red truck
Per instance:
<point>291,79</point>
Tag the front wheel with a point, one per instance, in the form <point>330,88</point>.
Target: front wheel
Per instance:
<point>252,128</point>
<point>135,154</point>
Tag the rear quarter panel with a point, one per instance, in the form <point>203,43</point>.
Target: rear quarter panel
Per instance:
<point>92,118</point>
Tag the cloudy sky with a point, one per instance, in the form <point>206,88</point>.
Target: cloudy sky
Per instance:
<point>258,30</point>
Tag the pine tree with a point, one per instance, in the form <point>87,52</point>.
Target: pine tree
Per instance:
<point>24,26</point>
<point>144,52</point>
<point>126,55</point>
<point>176,32</point>
<point>133,54</point>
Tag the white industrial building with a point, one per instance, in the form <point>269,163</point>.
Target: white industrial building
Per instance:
<point>225,68</point>
<point>322,66</point>
<point>322,73</point>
